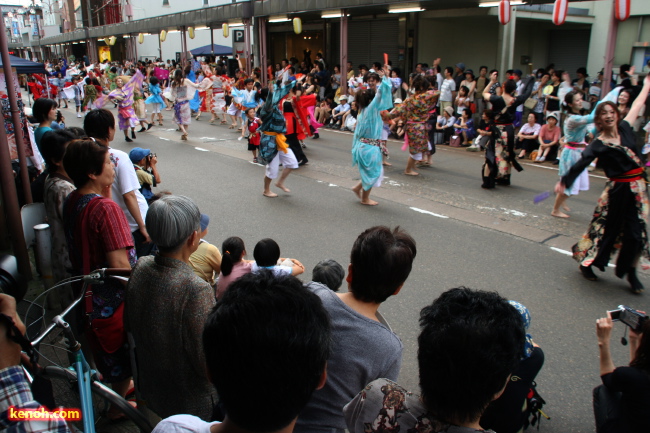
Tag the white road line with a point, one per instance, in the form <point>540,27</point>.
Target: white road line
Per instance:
<point>554,168</point>
<point>428,213</point>
<point>331,184</point>
<point>568,253</point>
<point>201,149</point>
<point>166,139</point>
<point>207,138</point>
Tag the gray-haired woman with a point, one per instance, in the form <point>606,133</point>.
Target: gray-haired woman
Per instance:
<point>167,305</point>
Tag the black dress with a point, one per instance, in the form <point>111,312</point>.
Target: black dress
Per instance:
<point>620,218</point>
<point>633,384</point>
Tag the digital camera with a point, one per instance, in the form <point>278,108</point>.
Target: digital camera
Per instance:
<point>629,316</point>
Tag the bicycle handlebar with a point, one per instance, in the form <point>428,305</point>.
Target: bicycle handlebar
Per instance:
<point>96,276</point>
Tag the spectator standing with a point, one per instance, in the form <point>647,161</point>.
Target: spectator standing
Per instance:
<point>167,306</point>
<point>447,90</point>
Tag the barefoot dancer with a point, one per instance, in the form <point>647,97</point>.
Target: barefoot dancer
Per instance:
<point>415,112</point>
<point>183,91</point>
<point>621,216</point>
<point>274,149</point>
<point>366,146</point>
<point>123,97</point>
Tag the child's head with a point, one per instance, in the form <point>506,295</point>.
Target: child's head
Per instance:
<point>464,90</point>
<point>88,80</point>
<point>250,113</point>
<point>233,249</point>
<point>330,273</point>
<point>266,252</point>
<point>153,80</point>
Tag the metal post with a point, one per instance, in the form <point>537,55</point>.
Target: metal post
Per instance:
<point>247,44</point>
<point>344,51</point>
<point>15,114</point>
<point>10,197</point>
<point>43,253</point>
<point>262,48</point>
<point>184,46</point>
<point>212,40</point>
<point>609,53</point>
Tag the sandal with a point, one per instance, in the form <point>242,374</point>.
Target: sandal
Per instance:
<point>184,137</point>
<point>160,124</point>
<point>223,122</point>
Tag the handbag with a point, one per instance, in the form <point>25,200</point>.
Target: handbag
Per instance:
<point>530,103</point>
<point>105,333</point>
<point>454,141</point>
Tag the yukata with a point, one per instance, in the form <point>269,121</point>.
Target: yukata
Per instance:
<point>90,95</point>
<point>415,112</point>
<point>575,131</point>
<point>124,98</point>
<point>112,78</point>
<point>195,101</point>
<point>621,215</point>
<point>366,146</point>
<point>247,99</point>
<point>183,95</point>
<point>273,128</point>
<point>500,155</point>
<point>218,100</point>
<point>155,97</point>
<point>205,95</point>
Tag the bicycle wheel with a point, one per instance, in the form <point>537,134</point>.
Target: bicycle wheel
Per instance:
<point>105,393</point>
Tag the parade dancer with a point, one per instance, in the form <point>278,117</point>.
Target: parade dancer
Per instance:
<point>90,94</point>
<point>218,100</point>
<point>155,99</point>
<point>123,97</point>
<point>415,112</point>
<point>621,216</point>
<point>140,110</point>
<point>294,107</point>
<point>205,92</point>
<point>500,154</point>
<point>274,149</point>
<point>366,146</point>
<point>251,132</point>
<point>575,131</point>
<point>246,97</point>
<point>183,91</point>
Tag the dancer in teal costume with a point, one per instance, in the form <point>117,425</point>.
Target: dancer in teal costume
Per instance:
<point>366,150</point>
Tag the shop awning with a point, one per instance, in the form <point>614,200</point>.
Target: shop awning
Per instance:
<point>25,66</point>
<point>206,50</point>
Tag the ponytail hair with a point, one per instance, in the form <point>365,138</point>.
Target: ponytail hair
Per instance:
<point>232,249</point>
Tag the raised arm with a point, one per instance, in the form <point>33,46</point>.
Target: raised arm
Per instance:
<point>639,102</point>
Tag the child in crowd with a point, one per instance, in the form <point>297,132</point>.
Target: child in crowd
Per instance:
<point>206,260</point>
<point>267,256</point>
<point>328,273</point>
<point>233,264</point>
<point>250,131</point>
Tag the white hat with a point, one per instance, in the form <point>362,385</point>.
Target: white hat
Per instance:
<point>397,101</point>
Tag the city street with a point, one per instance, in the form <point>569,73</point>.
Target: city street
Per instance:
<point>466,236</point>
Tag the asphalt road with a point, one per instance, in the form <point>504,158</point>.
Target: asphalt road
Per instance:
<point>466,236</point>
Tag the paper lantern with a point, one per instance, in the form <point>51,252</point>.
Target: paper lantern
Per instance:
<point>225,30</point>
<point>111,40</point>
<point>504,12</point>
<point>141,38</point>
<point>560,9</point>
<point>107,41</point>
<point>163,35</point>
<point>297,26</point>
<point>622,9</point>
<point>190,32</point>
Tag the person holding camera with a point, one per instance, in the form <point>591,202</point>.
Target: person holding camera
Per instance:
<point>621,403</point>
<point>145,163</point>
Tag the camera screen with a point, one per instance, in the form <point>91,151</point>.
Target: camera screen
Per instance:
<point>615,315</point>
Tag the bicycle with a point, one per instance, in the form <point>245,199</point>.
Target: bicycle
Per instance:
<point>79,367</point>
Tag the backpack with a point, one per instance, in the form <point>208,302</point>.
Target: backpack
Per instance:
<point>534,405</point>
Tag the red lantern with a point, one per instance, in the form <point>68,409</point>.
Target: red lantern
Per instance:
<point>622,9</point>
<point>559,11</point>
<point>504,12</point>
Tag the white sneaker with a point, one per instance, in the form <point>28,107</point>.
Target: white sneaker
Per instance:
<point>78,114</point>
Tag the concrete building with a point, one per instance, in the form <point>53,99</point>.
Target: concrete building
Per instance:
<point>418,31</point>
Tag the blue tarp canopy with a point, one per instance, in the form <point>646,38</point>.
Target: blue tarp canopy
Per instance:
<point>217,50</point>
<point>25,66</point>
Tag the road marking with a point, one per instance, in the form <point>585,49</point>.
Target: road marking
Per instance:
<point>393,183</point>
<point>568,253</point>
<point>428,213</point>
<point>513,212</point>
<point>331,184</point>
<point>207,138</point>
<point>201,149</point>
<point>166,139</point>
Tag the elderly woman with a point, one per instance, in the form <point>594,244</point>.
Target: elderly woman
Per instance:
<point>99,236</point>
<point>167,305</point>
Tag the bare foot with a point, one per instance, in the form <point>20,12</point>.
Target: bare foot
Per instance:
<point>357,191</point>
<point>269,194</point>
<point>559,214</point>
<point>411,173</point>
<point>282,187</point>
<point>386,164</point>
<point>566,208</point>
<point>369,202</point>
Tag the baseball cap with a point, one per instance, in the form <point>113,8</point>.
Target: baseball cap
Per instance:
<point>460,66</point>
<point>137,153</point>
<point>205,221</point>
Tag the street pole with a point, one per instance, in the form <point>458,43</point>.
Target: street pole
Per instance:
<point>609,52</point>
<point>15,114</point>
